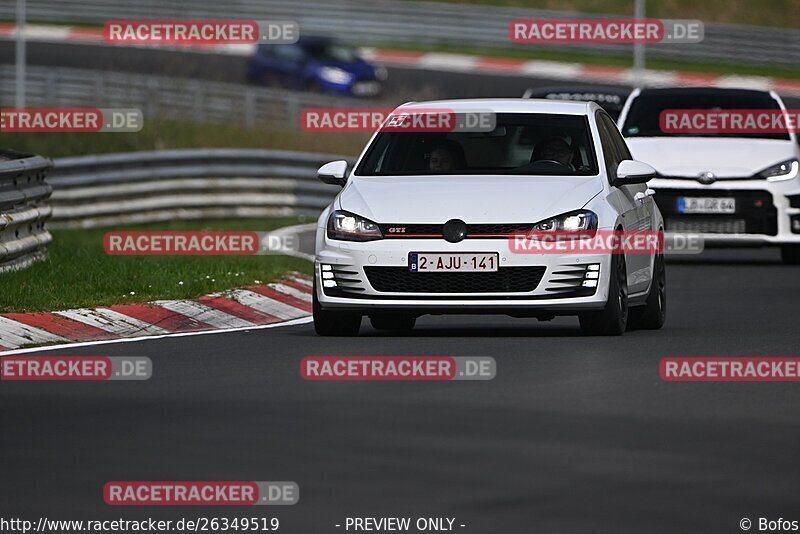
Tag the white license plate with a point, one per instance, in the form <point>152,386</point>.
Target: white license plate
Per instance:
<point>432,262</point>
<point>706,205</point>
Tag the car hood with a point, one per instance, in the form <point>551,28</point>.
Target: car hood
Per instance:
<point>725,157</point>
<point>474,199</point>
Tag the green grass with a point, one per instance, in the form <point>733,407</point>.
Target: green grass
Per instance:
<point>78,273</point>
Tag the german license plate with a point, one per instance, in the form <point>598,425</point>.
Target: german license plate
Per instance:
<point>706,205</point>
<point>468,262</point>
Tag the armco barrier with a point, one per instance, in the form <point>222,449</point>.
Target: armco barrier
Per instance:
<point>23,211</point>
<point>166,97</point>
<point>142,187</point>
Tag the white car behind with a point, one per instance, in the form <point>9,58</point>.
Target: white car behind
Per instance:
<point>733,188</point>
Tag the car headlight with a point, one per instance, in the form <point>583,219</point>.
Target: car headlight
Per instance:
<point>346,226</point>
<point>335,75</point>
<point>782,171</point>
<point>381,73</point>
<point>574,221</point>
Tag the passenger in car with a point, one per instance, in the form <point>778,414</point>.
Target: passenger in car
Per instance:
<point>446,156</point>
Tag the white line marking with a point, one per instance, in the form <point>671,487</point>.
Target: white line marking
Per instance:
<point>204,313</point>
<point>294,322</point>
<point>265,304</point>
<point>552,69</point>
<point>14,334</point>
<point>454,62</point>
<point>304,281</point>
<point>111,321</point>
<point>292,292</point>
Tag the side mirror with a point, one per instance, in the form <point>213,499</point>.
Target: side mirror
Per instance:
<point>631,172</point>
<point>333,173</point>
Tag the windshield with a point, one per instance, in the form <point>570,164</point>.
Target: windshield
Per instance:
<point>332,52</point>
<point>521,143</point>
<point>643,116</point>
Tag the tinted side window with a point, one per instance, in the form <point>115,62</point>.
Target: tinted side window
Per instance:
<point>616,137</point>
<point>610,153</point>
<point>289,52</point>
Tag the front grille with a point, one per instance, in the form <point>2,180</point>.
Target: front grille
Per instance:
<point>755,212</point>
<point>505,280</point>
<point>706,225</point>
<point>696,178</point>
<point>474,231</point>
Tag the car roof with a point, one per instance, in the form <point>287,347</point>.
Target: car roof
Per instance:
<point>701,91</point>
<point>507,105</point>
<point>537,92</point>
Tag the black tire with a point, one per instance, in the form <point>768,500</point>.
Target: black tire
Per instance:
<point>613,318</point>
<point>334,323</point>
<point>393,321</point>
<point>790,254</point>
<point>653,314</point>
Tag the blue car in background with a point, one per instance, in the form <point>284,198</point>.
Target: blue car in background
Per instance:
<point>315,64</point>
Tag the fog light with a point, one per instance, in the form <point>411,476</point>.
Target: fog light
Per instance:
<point>326,267</point>
<point>593,267</point>
<point>589,283</point>
<point>796,224</point>
<point>328,283</point>
<point>327,275</point>
<point>593,275</point>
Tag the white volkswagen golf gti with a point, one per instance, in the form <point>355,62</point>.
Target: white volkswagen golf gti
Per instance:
<point>425,221</point>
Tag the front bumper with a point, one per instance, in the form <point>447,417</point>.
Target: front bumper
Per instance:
<point>560,288</point>
<point>767,213</point>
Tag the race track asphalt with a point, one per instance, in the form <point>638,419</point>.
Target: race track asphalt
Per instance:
<point>575,434</point>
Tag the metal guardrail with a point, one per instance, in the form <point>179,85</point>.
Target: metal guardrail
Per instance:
<point>23,192</point>
<point>403,21</point>
<point>143,187</point>
<point>166,97</point>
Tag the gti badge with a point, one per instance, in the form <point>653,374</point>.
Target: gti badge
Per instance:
<point>707,178</point>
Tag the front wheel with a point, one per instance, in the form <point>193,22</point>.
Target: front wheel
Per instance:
<point>652,315</point>
<point>613,318</point>
<point>790,254</point>
<point>334,323</point>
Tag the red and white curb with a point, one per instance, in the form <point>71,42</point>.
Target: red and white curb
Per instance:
<point>287,300</point>
<point>436,61</point>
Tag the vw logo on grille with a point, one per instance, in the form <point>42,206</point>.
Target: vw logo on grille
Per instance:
<point>454,230</point>
<point>707,178</point>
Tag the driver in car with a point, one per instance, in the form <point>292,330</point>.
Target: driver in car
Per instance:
<point>553,149</point>
<point>440,160</point>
